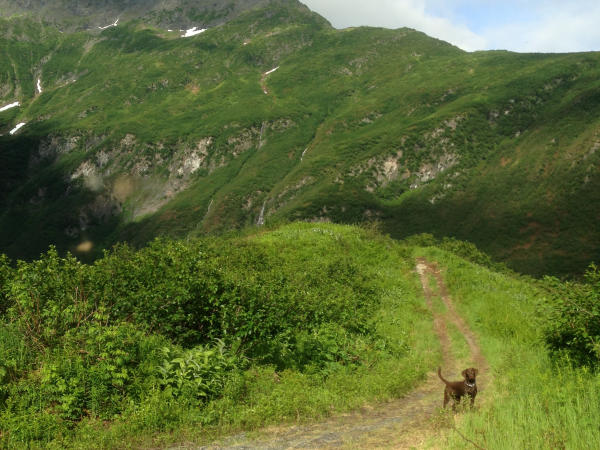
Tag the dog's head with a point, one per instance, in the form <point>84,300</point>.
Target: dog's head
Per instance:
<point>470,375</point>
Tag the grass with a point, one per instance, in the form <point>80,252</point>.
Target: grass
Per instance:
<point>528,400</point>
<point>460,348</point>
<point>533,401</point>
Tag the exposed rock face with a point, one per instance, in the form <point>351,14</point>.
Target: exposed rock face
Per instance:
<point>187,161</point>
<point>244,141</point>
<point>54,146</point>
<point>430,171</point>
<point>389,170</point>
<point>88,172</point>
<point>146,176</point>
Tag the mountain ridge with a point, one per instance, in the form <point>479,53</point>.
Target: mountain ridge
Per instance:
<point>94,15</point>
<point>201,135</point>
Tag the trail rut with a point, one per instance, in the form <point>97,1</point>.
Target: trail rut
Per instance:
<point>403,423</point>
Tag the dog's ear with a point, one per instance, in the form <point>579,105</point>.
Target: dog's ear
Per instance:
<point>464,373</point>
<point>476,371</point>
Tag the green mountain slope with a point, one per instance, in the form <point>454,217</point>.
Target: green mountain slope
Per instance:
<point>139,132</point>
<point>94,14</point>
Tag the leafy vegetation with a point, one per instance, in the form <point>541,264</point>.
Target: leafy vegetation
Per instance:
<point>574,324</point>
<point>187,340</point>
<point>140,133</point>
<point>210,333</point>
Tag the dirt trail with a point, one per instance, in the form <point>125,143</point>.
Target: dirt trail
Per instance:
<point>476,355</point>
<point>477,359</point>
<point>403,423</point>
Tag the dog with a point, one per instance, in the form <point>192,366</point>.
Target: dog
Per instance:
<point>456,390</point>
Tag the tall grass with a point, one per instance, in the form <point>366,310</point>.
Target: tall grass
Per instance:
<point>532,402</point>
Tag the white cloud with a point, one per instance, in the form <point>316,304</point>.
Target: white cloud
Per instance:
<point>395,14</point>
<point>523,26</point>
<point>560,30</point>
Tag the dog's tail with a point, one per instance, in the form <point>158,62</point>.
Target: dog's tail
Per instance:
<point>440,375</point>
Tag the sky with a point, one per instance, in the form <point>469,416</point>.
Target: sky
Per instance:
<point>547,26</point>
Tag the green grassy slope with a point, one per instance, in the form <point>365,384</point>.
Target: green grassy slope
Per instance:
<point>534,401</point>
<point>181,340</point>
<point>142,133</point>
<point>185,341</point>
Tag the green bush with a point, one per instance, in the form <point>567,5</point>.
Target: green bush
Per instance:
<point>574,321</point>
<point>471,253</point>
<point>200,372</point>
<point>48,297</point>
<point>15,356</point>
<point>6,273</point>
<point>150,339</point>
<point>98,368</point>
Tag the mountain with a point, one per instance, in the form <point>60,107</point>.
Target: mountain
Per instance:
<point>93,14</point>
<point>274,115</point>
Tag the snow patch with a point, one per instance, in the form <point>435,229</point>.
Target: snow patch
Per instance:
<point>303,153</point>
<point>39,85</point>
<point>271,71</point>
<point>17,128</point>
<point>193,32</point>
<point>12,105</point>
<point>111,25</point>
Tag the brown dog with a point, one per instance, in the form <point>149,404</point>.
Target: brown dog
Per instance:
<point>456,390</point>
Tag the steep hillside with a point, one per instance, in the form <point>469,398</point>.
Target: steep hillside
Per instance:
<point>94,15</point>
<point>274,115</point>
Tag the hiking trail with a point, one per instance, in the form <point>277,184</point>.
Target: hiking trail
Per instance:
<point>402,423</point>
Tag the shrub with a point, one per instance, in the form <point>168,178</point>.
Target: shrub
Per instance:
<point>200,372</point>
<point>471,253</point>
<point>15,356</point>
<point>152,338</point>
<point>98,368</point>
<point>574,322</point>
<point>48,298</point>
<point>6,273</point>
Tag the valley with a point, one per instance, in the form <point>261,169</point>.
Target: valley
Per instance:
<point>232,225</point>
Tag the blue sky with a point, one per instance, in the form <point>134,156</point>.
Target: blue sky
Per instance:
<point>523,26</point>
<point>479,16</point>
